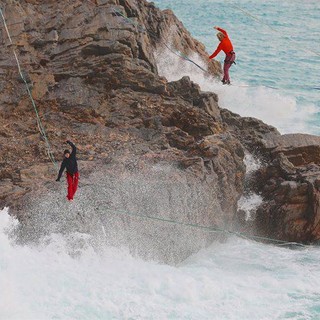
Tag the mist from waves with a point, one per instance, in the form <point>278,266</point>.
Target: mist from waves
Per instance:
<point>249,200</point>
<point>237,279</point>
<point>276,76</point>
<point>126,208</point>
<point>85,260</point>
<point>273,107</point>
<point>73,261</point>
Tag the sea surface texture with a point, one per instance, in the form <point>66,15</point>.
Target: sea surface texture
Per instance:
<point>276,79</point>
<point>63,277</point>
<point>277,43</point>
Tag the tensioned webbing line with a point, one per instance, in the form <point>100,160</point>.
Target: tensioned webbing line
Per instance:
<point>39,123</point>
<point>186,58</point>
<point>208,229</point>
<point>228,2</point>
<point>271,28</point>
<point>205,228</point>
<point>153,35</point>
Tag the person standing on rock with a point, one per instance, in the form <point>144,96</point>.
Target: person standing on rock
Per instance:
<point>225,45</point>
<point>70,164</point>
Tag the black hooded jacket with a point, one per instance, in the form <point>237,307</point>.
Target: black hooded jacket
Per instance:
<point>70,164</point>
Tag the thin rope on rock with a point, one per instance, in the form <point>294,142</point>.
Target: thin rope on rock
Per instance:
<point>210,229</point>
<point>271,28</point>
<point>39,123</point>
<point>155,36</point>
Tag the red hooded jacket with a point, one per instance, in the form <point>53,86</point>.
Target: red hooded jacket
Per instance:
<point>225,44</point>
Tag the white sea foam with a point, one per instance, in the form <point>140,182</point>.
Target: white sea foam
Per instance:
<point>63,276</point>
<point>252,163</point>
<point>224,281</point>
<point>271,52</point>
<point>273,106</point>
<point>249,204</point>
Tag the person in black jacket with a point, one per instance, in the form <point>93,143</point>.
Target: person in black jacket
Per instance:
<point>70,164</point>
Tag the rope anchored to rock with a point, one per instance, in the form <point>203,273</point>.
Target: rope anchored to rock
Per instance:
<point>271,28</point>
<point>186,58</point>
<point>209,229</point>
<point>155,36</point>
<point>39,122</point>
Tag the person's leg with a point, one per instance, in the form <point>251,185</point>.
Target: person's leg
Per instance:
<point>70,186</point>
<point>75,182</point>
<point>226,67</point>
<point>230,58</point>
<point>224,73</point>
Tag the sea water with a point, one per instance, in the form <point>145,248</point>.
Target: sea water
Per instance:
<point>62,276</point>
<point>237,279</point>
<point>277,44</point>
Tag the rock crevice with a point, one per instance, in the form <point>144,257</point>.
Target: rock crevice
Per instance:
<point>94,77</point>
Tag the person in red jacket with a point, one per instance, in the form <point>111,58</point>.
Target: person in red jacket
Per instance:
<point>226,46</point>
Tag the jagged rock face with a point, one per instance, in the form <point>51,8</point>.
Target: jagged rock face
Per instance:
<point>288,180</point>
<point>290,184</point>
<point>95,81</point>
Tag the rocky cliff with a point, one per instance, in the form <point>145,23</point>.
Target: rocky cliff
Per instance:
<point>92,72</point>
<point>287,179</point>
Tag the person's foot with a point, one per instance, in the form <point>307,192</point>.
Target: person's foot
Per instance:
<point>226,82</point>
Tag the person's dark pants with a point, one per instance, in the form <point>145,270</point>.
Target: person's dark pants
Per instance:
<point>72,180</point>
<point>228,62</point>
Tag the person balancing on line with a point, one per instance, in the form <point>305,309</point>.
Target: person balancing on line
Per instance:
<point>70,164</point>
<point>225,45</point>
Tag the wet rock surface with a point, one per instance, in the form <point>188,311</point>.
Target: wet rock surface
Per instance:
<point>95,81</point>
<point>287,181</point>
<point>291,189</point>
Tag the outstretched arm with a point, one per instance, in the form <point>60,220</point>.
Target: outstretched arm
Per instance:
<point>222,31</point>
<point>63,165</point>
<point>74,149</point>
<point>219,48</point>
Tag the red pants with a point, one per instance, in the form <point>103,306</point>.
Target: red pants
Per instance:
<point>73,180</point>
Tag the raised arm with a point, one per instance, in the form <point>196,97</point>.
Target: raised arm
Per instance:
<point>74,149</point>
<point>222,31</point>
